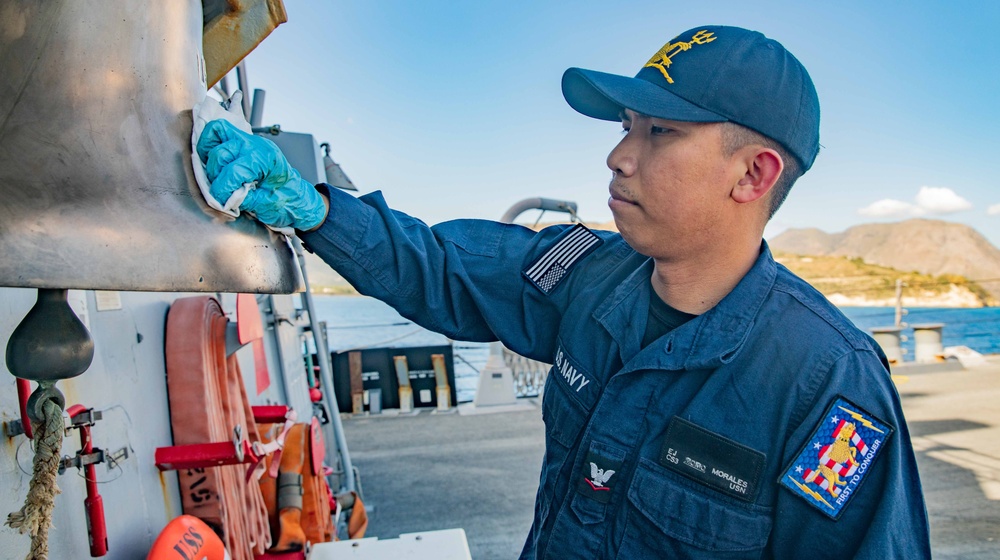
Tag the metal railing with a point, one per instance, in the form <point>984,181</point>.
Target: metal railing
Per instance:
<point>529,375</point>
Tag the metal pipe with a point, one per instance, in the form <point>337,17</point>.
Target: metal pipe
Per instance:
<point>539,203</point>
<point>326,375</point>
<point>241,77</point>
<point>278,354</point>
<point>257,110</point>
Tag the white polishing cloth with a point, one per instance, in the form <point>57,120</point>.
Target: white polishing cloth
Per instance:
<point>206,111</point>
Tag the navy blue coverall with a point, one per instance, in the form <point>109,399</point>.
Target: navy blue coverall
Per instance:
<point>766,427</point>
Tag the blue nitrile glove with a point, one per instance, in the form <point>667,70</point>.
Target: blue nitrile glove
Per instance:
<point>281,198</point>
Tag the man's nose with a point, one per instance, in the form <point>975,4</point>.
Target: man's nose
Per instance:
<point>620,160</point>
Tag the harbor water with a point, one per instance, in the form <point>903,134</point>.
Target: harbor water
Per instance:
<point>358,322</point>
<point>979,328</point>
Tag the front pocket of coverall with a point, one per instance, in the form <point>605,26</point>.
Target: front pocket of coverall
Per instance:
<point>580,529</point>
<point>563,419</point>
<point>562,415</point>
<point>672,517</point>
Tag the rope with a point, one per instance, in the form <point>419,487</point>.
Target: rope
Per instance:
<point>35,517</point>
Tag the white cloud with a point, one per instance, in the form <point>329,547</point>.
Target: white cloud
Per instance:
<point>929,200</point>
<point>993,210</point>
<point>890,208</point>
<point>941,200</point>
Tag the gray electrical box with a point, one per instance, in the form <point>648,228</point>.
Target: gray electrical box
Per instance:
<point>303,153</point>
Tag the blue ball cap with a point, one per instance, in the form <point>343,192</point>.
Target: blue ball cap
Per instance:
<point>712,74</point>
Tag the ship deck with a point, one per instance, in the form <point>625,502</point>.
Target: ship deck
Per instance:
<point>480,471</point>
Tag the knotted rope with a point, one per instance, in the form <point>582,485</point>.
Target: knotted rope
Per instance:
<point>35,517</point>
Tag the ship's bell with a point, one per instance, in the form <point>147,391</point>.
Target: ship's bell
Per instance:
<point>96,187</point>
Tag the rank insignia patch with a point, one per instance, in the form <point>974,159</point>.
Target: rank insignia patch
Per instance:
<point>598,478</point>
<point>837,458</point>
<point>548,270</point>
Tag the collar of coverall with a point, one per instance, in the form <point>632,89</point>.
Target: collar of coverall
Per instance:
<point>708,341</point>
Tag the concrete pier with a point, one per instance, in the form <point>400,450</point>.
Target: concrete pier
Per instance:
<point>480,472</point>
<point>954,421</point>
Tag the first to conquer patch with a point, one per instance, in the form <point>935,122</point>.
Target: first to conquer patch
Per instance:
<point>837,458</point>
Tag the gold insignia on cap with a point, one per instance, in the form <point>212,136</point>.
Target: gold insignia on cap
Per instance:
<point>662,59</point>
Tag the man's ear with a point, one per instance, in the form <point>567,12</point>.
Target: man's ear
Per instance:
<point>763,167</point>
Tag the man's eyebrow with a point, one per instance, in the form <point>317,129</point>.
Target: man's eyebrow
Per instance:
<point>624,114</point>
<point>675,124</point>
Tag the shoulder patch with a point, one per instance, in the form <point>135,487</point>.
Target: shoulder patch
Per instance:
<point>549,269</point>
<point>837,457</point>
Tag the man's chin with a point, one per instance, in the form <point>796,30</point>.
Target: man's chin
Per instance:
<point>626,233</point>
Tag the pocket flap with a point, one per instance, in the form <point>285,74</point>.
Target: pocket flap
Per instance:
<point>563,416</point>
<point>685,513</point>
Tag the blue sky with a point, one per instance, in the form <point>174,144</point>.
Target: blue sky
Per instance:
<point>454,109</point>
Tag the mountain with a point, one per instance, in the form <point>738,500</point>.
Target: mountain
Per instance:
<point>853,282</point>
<point>933,247</point>
<point>805,241</point>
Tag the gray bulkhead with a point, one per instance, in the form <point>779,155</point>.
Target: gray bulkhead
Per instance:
<point>127,383</point>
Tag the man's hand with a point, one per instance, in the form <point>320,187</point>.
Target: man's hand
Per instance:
<point>280,197</point>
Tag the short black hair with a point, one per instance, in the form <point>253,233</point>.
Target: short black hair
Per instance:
<point>736,136</point>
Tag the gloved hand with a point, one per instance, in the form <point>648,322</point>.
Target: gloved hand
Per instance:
<point>279,197</point>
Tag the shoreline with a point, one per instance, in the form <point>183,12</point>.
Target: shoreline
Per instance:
<point>957,297</point>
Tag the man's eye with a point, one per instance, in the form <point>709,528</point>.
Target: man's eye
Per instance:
<point>660,130</point>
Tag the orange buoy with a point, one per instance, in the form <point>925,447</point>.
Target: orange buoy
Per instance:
<point>187,538</point>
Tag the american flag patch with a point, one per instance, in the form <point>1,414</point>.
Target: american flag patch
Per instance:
<point>548,270</point>
<point>837,458</point>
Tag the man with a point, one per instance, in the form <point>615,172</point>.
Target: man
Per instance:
<point>704,402</point>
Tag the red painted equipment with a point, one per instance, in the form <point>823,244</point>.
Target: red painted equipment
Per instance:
<point>299,555</point>
<point>82,418</point>
<point>202,455</point>
<point>238,451</point>
<point>270,414</point>
<point>23,392</point>
<point>250,328</point>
